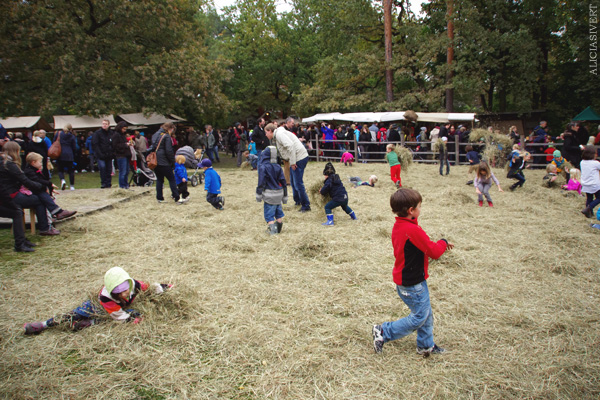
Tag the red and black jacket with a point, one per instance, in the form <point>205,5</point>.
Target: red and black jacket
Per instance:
<point>412,249</point>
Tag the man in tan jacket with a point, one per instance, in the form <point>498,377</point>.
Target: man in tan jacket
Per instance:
<point>292,150</point>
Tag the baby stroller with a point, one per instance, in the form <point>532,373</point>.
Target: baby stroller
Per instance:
<point>191,161</point>
<point>144,176</point>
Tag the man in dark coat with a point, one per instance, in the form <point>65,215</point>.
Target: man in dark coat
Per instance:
<point>393,135</point>
<point>103,150</point>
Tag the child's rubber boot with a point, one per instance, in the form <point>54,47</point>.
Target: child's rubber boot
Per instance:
<point>587,212</point>
<point>273,229</point>
<point>84,323</point>
<point>490,204</point>
<point>34,328</point>
<point>329,220</point>
<point>353,216</point>
<point>279,226</point>
<point>480,203</point>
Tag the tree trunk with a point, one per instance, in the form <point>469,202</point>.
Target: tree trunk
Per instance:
<point>502,100</point>
<point>389,74</point>
<point>491,97</point>
<point>450,59</point>
<point>543,83</point>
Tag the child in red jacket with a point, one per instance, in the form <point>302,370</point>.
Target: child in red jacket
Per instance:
<point>412,249</point>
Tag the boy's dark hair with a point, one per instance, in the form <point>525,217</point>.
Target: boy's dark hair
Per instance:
<point>329,169</point>
<point>589,153</point>
<point>403,199</point>
<point>469,148</point>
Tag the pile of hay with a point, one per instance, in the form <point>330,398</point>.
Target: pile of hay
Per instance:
<point>317,198</point>
<point>411,116</point>
<point>290,316</point>
<point>246,166</point>
<point>405,156</point>
<point>439,144</point>
<point>497,146</point>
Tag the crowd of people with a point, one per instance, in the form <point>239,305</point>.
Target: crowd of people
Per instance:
<point>273,145</point>
<point>111,150</point>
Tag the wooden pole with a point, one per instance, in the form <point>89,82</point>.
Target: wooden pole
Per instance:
<point>389,73</point>
<point>450,58</point>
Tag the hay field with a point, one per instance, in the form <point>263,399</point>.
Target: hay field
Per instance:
<point>289,317</point>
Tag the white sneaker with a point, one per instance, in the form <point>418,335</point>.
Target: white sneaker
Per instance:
<point>63,185</point>
<point>185,200</point>
<point>180,201</point>
<point>72,187</point>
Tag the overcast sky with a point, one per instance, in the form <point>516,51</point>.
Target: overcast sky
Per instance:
<point>282,6</point>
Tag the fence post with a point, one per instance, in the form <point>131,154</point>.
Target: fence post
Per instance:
<point>317,147</point>
<point>456,149</point>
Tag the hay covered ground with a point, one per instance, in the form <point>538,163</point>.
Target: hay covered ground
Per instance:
<point>289,317</point>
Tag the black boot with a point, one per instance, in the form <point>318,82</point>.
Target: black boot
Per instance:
<point>587,211</point>
<point>279,226</point>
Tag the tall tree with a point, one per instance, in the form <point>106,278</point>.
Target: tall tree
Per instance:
<point>271,57</point>
<point>106,56</point>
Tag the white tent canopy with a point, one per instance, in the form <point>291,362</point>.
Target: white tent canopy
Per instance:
<point>321,117</point>
<point>83,122</point>
<point>140,119</point>
<point>360,117</point>
<point>23,122</point>
<point>390,116</point>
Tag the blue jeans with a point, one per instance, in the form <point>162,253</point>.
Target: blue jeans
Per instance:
<point>123,164</point>
<point>589,200</point>
<point>105,168</point>
<point>333,204</point>
<point>48,202</point>
<point>520,179</point>
<point>296,178</point>
<point>273,212</point>
<point>444,161</point>
<point>420,319</point>
<point>40,210</point>
<point>214,200</point>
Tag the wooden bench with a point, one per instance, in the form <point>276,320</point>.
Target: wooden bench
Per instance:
<point>31,219</point>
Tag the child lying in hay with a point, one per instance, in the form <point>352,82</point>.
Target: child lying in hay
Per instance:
<point>118,293</point>
<point>356,181</point>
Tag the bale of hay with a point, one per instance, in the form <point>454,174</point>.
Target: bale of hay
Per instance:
<point>405,156</point>
<point>497,146</point>
<point>246,165</point>
<point>411,116</point>
<point>317,198</point>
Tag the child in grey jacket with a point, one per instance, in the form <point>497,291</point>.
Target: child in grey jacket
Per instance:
<point>272,189</point>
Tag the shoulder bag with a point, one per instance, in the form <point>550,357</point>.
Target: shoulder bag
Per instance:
<point>151,160</point>
<point>55,150</point>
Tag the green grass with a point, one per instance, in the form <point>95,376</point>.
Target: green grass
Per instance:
<point>91,180</point>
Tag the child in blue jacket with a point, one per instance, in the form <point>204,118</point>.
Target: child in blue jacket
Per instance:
<point>339,197</point>
<point>212,184</point>
<point>272,189</point>
<point>181,178</point>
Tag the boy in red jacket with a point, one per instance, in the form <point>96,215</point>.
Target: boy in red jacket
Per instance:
<point>412,249</point>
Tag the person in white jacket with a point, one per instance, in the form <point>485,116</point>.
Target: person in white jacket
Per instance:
<point>291,149</point>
